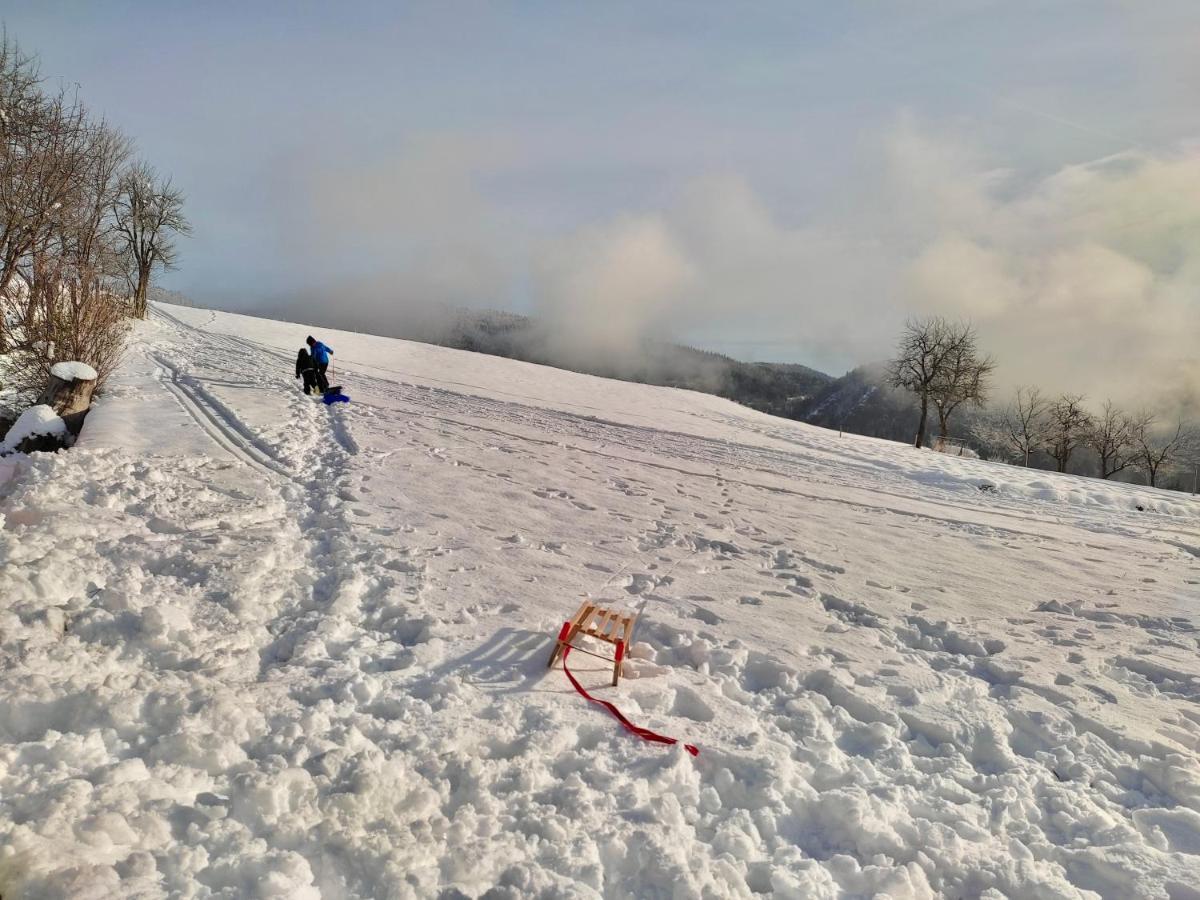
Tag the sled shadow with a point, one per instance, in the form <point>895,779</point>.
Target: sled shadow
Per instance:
<point>511,660</point>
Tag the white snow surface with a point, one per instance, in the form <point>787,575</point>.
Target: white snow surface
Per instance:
<point>254,646</point>
<point>71,371</point>
<point>37,420</point>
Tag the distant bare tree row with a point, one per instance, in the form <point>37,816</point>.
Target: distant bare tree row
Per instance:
<point>1119,440</point>
<point>940,362</point>
<point>83,226</point>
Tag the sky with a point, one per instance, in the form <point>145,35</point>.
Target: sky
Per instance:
<point>778,181</point>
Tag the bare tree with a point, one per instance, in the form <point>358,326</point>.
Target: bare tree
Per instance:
<point>1025,422</point>
<point>72,213</point>
<point>71,310</point>
<point>1112,437</point>
<point>1068,424</point>
<point>43,153</point>
<point>20,106</point>
<point>1155,449</point>
<point>963,375</point>
<point>149,214</point>
<point>19,80</point>
<point>920,356</point>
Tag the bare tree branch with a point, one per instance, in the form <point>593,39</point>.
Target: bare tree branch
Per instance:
<point>1068,426</point>
<point>1025,423</point>
<point>1155,449</point>
<point>1112,437</point>
<point>963,376</point>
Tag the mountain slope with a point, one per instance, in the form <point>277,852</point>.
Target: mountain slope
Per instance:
<point>257,646</point>
<point>776,388</point>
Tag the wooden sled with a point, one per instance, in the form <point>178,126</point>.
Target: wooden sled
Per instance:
<point>613,626</point>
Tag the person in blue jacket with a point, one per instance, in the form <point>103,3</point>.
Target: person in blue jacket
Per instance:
<point>320,355</point>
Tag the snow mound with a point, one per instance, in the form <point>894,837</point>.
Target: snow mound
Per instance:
<point>35,421</point>
<point>73,371</point>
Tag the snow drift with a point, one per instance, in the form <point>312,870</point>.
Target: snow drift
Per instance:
<point>256,646</point>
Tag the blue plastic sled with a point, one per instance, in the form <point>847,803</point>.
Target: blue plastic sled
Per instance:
<point>334,397</point>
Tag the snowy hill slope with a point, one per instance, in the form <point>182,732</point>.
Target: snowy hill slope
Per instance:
<point>255,646</point>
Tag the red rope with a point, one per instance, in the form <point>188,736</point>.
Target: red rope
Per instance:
<point>644,733</point>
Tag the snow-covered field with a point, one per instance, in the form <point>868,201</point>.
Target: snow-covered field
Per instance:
<point>254,646</point>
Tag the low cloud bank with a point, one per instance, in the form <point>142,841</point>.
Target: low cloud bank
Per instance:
<point>1083,279</point>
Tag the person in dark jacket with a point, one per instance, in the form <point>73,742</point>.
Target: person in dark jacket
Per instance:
<point>320,355</point>
<point>306,369</point>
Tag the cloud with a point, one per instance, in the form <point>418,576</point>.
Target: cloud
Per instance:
<point>606,288</point>
<point>956,277</point>
<point>391,237</point>
<point>1083,280</point>
<point>716,267</point>
<point>934,183</point>
<point>1080,279</point>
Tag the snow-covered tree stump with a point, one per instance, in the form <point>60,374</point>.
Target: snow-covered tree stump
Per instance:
<point>38,428</point>
<point>69,392</point>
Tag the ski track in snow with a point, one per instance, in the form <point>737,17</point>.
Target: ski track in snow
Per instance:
<point>257,646</point>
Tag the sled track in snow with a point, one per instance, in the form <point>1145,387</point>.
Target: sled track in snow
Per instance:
<point>217,421</point>
<point>240,347</point>
<point>313,495</point>
<point>456,408</point>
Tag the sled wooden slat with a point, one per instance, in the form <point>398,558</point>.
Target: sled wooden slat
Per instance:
<point>609,627</point>
<point>613,626</point>
<point>599,622</point>
<point>620,627</point>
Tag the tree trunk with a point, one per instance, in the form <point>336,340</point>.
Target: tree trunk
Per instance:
<point>921,426</point>
<point>71,399</point>
<point>143,290</point>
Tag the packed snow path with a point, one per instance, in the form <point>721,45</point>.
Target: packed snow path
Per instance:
<point>254,646</point>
